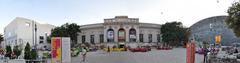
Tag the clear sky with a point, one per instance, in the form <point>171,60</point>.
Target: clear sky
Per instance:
<point>82,12</point>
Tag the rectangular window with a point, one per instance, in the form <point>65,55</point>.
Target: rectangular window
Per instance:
<point>83,39</point>
<point>141,37</point>
<point>149,38</point>
<point>92,39</point>
<point>101,38</point>
<point>158,37</point>
<point>41,37</point>
<point>40,42</point>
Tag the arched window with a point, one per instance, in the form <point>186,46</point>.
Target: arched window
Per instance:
<point>132,35</point>
<point>110,35</point>
<point>121,35</point>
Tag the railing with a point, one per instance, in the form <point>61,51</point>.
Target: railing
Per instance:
<point>6,60</point>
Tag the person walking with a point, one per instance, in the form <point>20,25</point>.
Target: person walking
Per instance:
<point>108,49</point>
<point>84,53</point>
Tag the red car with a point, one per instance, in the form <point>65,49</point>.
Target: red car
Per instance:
<point>164,48</point>
<point>138,49</point>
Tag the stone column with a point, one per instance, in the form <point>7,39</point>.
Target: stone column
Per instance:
<point>105,34</point>
<point>116,35</point>
<point>127,34</point>
<point>137,33</point>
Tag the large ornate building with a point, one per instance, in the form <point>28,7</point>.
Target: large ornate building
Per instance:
<point>120,30</point>
<point>207,29</point>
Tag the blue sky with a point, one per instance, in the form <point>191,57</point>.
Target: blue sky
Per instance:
<point>83,12</point>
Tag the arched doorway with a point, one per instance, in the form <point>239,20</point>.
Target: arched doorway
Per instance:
<point>132,35</point>
<point>121,35</point>
<point>110,35</point>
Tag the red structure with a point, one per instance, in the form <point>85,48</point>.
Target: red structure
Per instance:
<point>190,52</point>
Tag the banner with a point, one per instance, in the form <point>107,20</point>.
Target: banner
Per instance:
<point>56,50</point>
<point>218,39</point>
<point>110,34</point>
<point>121,35</point>
<point>59,44</point>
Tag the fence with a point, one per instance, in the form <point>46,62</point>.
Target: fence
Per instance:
<point>22,61</point>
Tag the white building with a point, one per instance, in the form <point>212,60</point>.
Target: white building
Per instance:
<point>120,30</point>
<point>22,30</point>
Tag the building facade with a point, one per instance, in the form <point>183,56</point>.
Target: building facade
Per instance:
<point>21,31</point>
<point>120,30</point>
<point>207,29</point>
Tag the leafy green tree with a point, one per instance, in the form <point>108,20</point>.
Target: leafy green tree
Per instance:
<point>67,30</point>
<point>17,50</point>
<point>233,19</point>
<point>48,39</point>
<point>173,33</point>
<point>27,52</point>
<point>8,51</point>
<point>34,54</point>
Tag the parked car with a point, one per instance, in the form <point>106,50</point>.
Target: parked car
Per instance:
<point>147,47</point>
<point>115,49</point>
<point>164,48</point>
<point>138,49</point>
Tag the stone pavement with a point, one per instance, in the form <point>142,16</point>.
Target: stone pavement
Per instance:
<point>177,55</point>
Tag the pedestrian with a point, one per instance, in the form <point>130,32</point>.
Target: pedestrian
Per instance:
<point>84,53</point>
<point>108,49</point>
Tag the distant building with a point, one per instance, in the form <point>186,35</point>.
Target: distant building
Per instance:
<point>120,30</point>
<point>22,30</point>
<point>206,29</point>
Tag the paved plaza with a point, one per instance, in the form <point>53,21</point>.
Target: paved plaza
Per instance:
<point>177,55</point>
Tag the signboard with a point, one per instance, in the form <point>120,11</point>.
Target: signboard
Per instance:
<point>218,39</point>
<point>59,44</point>
<point>190,52</point>
<point>133,36</point>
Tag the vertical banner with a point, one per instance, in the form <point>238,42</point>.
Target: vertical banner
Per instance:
<point>190,53</point>
<point>218,39</point>
<point>110,34</point>
<point>56,50</point>
<point>66,52</point>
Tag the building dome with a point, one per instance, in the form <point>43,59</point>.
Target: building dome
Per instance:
<point>207,29</point>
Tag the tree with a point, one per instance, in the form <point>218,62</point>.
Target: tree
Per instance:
<point>34,54</point>
<point>17,51</point>
<point>1,38</point>
<point>8,51</point>
<point>67,30</point>
<point>27,52</point>
<point>174,33</point>
<point>233,19</point>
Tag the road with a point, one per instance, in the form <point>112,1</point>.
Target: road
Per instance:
<point>177,55</point>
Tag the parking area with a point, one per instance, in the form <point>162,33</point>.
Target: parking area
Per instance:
<point>177,55</point>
